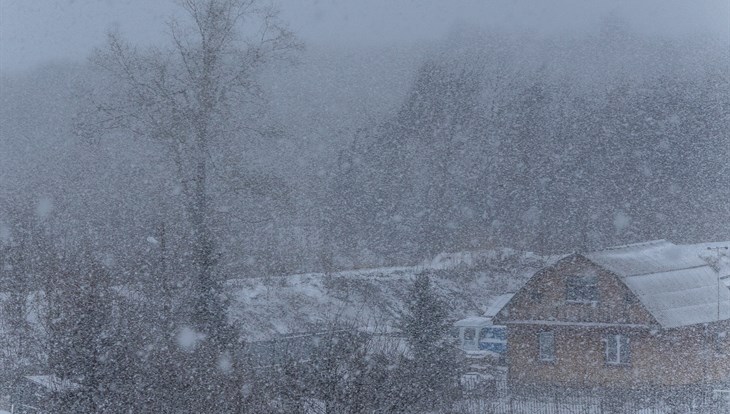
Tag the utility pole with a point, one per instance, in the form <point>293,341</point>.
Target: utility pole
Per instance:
<point>717,269</point>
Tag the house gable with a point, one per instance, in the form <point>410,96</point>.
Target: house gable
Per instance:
<point>575,291</point>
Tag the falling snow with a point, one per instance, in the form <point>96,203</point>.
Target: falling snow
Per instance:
<point>234,206</point>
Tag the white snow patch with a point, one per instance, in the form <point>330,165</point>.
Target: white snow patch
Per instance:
<point>53,383</point>
<point>188,339</point>
<point>225,364</point>
<point>44,207</point>
<point>108,260</point>
<point>4,233</point>
<point>621,221</point>
<point>267,307</point>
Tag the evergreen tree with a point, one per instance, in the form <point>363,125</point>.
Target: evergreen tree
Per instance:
<point>432,369</point>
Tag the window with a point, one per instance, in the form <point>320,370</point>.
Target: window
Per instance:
<point>582,288</point>
<point>493,333</point>
<point>618,351</point>
<point>485,334</point>
<point>547,346</point>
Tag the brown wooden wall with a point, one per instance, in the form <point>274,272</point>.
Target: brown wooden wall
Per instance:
<point>674,357</point>
<point>679,356</point>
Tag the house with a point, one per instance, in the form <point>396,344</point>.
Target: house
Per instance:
<point>477,334</point>
<point>641,315</point>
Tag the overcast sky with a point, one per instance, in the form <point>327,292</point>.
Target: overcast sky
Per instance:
<point>36,31</point>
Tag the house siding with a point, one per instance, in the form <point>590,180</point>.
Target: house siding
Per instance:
<point>666,358</point>
<point>659,357</point>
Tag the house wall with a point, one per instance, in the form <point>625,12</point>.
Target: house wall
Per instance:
<point>667,358</point>
<point>680,356</point>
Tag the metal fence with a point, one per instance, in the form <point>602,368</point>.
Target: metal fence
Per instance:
<point>500,397</point>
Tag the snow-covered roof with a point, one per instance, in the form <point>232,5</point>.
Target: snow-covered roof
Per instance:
<point>473,321</point>
<point>717,254</point>
<point>675,284</point>
<point>265,308</point>
<point>53,383</point>
<point>648,257</point>
<point>497,304</point>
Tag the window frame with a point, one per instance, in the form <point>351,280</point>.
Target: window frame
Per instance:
<point>620,346</point>
<point>543,345</point>
<point>483,334</point>
<point>576,288</point>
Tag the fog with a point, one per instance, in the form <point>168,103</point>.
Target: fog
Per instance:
<point>228,183</point>
<point>44,30</point>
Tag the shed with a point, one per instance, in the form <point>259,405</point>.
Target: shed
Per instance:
<point>479,334</point>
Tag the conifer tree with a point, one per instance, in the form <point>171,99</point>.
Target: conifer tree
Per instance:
<point>431,371</point>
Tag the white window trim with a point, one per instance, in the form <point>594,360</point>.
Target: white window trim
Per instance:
<point>619,360</point>
<point>473,340</point>
<point>582,278</point>
<point>542,357</point>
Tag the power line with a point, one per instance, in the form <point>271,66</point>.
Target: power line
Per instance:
<point>719,282</point>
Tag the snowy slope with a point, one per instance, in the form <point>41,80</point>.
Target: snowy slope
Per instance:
<point>267,307</point>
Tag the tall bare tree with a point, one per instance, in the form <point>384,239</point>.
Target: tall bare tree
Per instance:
<point>189,98</point>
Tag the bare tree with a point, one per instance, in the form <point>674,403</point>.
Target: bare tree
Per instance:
<point>23,257</point>
<point>188,98</point>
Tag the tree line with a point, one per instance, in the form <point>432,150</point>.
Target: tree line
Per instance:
<point>134,346</point>
<point>489,147</point>
<point>485,153</point>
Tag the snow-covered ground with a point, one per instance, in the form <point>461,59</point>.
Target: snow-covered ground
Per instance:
<point>267,307</point>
